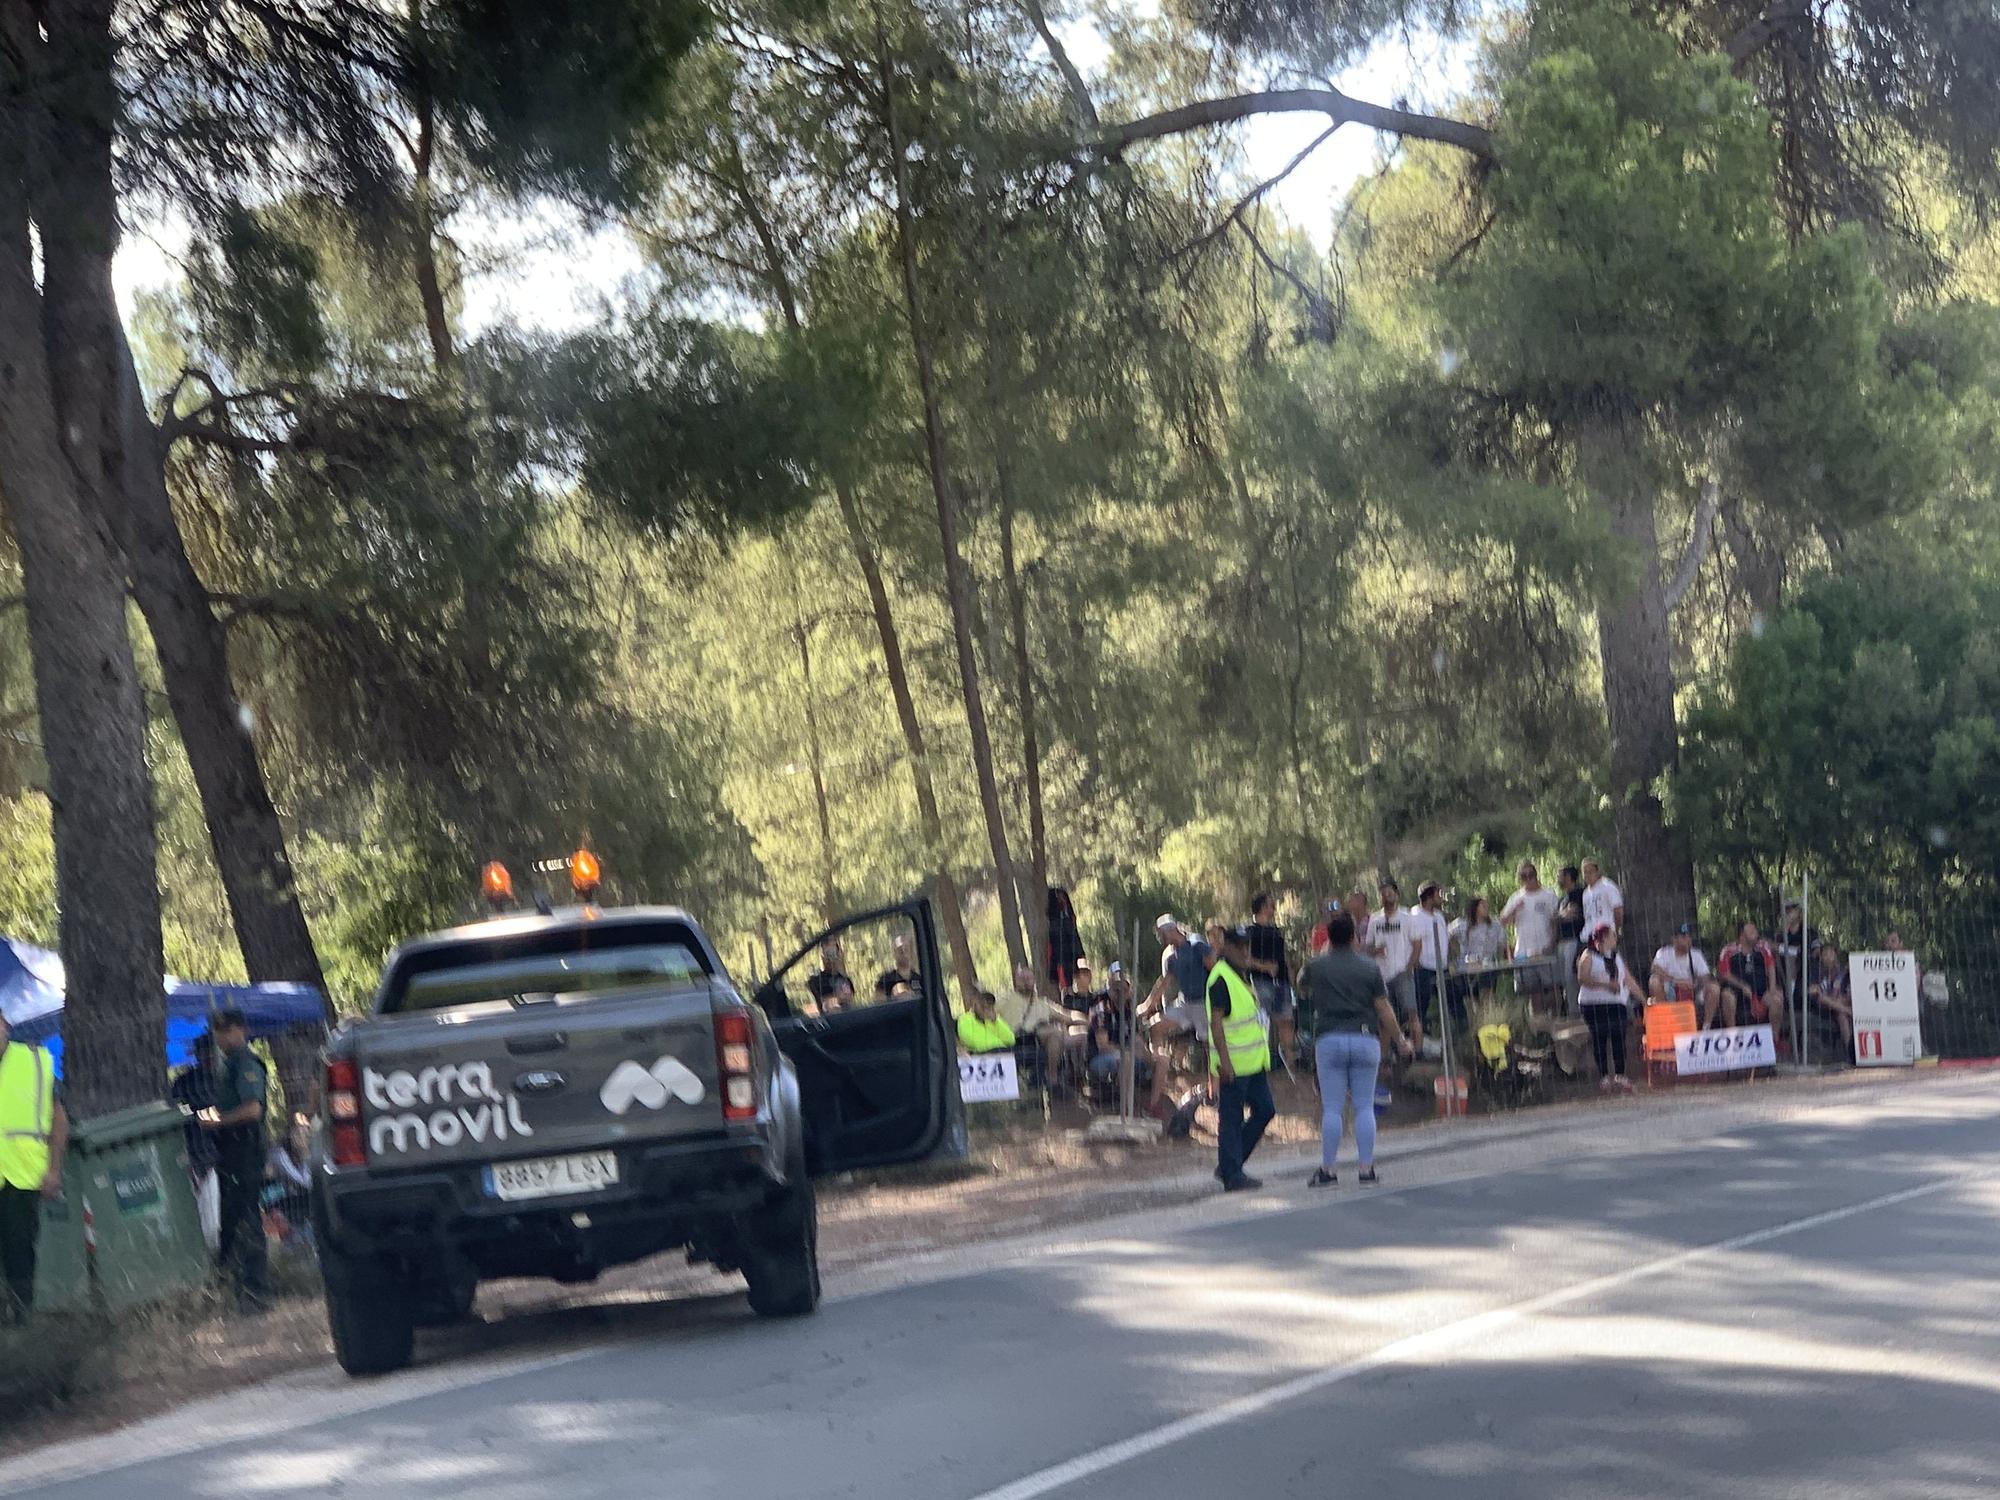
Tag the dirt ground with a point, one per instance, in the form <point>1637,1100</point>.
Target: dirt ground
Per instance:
<point>1028,1168</point>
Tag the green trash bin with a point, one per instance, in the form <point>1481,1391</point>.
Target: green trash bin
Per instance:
<point>126,1231</point>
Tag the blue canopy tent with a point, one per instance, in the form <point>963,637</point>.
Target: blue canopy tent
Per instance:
<point>31,997</point>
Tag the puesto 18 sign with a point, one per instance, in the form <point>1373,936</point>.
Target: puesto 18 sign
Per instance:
<point>1886,1029</point>
<point>1725,1049</point>
<point>988,1078</point>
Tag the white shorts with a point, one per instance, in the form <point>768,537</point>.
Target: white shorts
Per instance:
<point>1187,1017</point>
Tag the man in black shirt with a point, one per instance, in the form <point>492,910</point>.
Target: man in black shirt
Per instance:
<point>902,971</point>
<point>1082,994</point>
<point>1270,975</point>
<point>193,1090</point>
<point>830,988</point>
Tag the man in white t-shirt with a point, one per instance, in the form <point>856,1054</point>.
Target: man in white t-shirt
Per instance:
<point>1391,942</point>
<point>1531,913</point>
<point>1680,973</point>
<point>1602,900</point>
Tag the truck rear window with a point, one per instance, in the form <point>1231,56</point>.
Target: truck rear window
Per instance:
<point>569,963</point>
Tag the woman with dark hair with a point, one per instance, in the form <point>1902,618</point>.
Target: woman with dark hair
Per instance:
<point>1602,982</point>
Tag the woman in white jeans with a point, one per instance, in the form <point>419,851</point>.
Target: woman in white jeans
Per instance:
<point>1343,992</point>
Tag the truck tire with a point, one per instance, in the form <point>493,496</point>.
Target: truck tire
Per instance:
<point>369,1311</point>
<point>781,1255</point>
<point>447,1300</point>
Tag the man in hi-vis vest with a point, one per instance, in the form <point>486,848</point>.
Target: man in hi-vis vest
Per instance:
<point>34,1133</point>
<point>1239,1055</point>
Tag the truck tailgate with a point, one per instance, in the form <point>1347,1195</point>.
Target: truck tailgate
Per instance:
<point>499,1081</point>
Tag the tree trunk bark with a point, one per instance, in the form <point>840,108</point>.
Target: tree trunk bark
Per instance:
<point>1037,892</point>
<point>829,897</point>
<point>430,288</point>
<point>1636,648</point>
<point>957,586</point>
<point>950,911</point>
<point>87,692</point>
<point>932,825</point>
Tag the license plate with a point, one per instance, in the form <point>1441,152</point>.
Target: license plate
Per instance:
<point>552,1176</point>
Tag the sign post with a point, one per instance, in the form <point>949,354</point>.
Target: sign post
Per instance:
<point>1887,1030</point>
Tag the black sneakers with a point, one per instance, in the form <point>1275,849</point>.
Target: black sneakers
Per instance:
<point>1241,1183</point>
<point>1368,1178</point>
<point>1321,1178</point>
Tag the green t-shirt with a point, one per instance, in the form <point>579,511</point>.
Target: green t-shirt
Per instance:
<point>1338,991</point>
<point>984,1036</point>
<point>242,1080</point>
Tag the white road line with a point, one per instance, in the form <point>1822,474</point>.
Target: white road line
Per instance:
<point>1083,1466</point>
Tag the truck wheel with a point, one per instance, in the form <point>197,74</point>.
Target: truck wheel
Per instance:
<point>781,1255</point>
<point>369,1311</point>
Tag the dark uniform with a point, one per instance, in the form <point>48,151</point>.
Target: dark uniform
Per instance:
<point>239,1172</point>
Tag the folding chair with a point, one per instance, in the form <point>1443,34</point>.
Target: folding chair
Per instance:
<point>1664,1022</point>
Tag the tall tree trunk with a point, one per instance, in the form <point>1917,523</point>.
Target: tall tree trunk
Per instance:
<point>430,287</point>
<point>928,820</point>
<point>92,711</point>
<point>1636,647</point>
<point>957,584</point>
<point>951,911</point>
<point>829,897</point>
<point>1036,897</point>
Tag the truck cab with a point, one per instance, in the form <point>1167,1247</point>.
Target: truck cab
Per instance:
<point>557,1093</point>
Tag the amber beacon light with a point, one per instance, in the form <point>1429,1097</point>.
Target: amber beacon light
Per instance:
<point>497,885</point>
<point>584,874</point>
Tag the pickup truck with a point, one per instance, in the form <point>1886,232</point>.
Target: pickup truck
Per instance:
<point>556,1094</point>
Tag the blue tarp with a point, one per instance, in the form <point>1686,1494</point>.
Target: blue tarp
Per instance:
<point>31,996</point>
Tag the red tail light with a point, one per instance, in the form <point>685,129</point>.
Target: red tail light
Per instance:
<point>343,1112</point>
<point>736,1065</point>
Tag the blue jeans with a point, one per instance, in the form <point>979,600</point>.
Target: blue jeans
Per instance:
<point>1348,1064</point>
<point>1235,1137</point>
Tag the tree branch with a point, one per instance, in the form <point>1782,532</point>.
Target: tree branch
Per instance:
<point>1341,109</point>
<point>1759,33</point>
<point>1079,92</point>
<point>1697,547</point>
<point>1235,215</point>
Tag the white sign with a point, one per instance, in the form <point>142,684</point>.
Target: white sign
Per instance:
<point>1725,1049</point>
<point>1884,990</point>
<point>988,1078</point>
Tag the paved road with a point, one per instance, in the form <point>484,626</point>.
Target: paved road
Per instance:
<point>1698,1301</point>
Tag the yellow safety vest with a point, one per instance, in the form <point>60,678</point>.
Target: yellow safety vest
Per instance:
<point>27,1114</point>
<point>984,1036</point>
<point>1249,1048</point>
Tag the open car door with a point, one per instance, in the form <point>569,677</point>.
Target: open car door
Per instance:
<point>862,1012</point>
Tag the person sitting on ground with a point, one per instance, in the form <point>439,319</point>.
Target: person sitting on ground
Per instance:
<point>1603,980</point>
<point>288,1179</point>
<point>1111,1028</point>
<point>830,988</point>
<point>1031,1015</point>
<point>1680,974</point>
<point>981,1029</point>
<point>1081,993</point>
<point>1177,1001</point>
<point>1830,991</point>
<point>1749,974</point>
<point>902,971</point>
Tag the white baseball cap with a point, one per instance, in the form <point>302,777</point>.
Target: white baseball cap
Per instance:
<point>1166,919</point>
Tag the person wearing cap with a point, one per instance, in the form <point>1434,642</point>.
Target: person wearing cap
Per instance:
<point>1681,974</point>
<point>1603,980</point>
<point>1176,1000</point>
<point>34,1137</point>
<point>242,1091</point>
<point>1239,1060</point>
